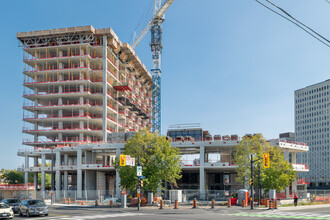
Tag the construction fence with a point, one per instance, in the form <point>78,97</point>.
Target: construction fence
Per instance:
<point>184,196</point>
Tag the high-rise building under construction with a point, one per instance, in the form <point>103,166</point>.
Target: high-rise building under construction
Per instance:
<point>80,84</point>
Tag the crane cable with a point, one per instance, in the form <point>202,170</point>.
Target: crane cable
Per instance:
<point>296,22</point>
<point>143,20</point>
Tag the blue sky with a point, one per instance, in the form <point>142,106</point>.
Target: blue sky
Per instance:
<point>230,65</point>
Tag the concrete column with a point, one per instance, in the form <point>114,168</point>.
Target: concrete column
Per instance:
<point>65,181</point>
<point>79,173</point>
<point>294,157</point>
<point>43,182</point>
<point>26,179</point>
<point>81,137</point>
<point>202,172</point>
<point>60,136</point>
<point>35,175</point>
<point>60,125</point>
<point>58,175</point>
<point>286,155</point>
<point>43,166</point>
<point>81,100</point>
<point>35,181</point>
<point>117,176</point>
<point>105,98</point>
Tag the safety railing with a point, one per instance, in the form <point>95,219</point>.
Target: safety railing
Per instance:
<point>50,56</point>
<point>67,115</point>
<point>64,103</point>
<point>30,81</point>
<point>67,128</point>
<point>71,91</point>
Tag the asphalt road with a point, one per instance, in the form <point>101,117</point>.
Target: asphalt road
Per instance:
<point>82,213</point>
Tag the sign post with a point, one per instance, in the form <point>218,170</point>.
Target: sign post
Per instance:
<point>139,171</point>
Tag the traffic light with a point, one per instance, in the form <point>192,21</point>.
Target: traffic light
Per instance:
<point>140,183</point>
<point>250,181</point>
<point>266,160</point>
<point>122,161</point>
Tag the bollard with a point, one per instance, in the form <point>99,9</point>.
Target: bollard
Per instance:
<point>69,200</point>
<point>212,204</point>
<point>229,203</point>
<point>194,203</point>
<point>243,203</point>
<point>275,206</point>
<point>96,202</point>
<point>176,204</point>
<point>267,203</point>
<point>111,203</point>
<point>161,204</point>
<point>271,204</point>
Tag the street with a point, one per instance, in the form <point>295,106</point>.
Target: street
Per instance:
<point>234,213</point>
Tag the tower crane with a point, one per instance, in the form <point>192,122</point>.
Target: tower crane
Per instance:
<point>155,27</point>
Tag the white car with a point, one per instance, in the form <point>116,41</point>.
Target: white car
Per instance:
<point>6,211</point>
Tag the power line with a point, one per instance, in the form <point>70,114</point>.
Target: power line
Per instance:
<point>297,23</point>
<point>327,1</point>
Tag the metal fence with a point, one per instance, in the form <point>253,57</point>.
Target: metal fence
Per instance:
<point>186,195</point>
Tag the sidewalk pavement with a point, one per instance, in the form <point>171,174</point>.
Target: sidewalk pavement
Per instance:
<point>189,207</point>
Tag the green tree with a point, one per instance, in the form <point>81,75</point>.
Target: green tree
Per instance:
<point>48,181</point>
<point>279,175</point>
<point>159,160</point>
<point>12,176</point>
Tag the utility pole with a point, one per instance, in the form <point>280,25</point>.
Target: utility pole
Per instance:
<point>259,188</point>
<point>251,198</point>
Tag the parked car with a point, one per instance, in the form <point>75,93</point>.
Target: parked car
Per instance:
<point>13,203</point>
<point>6,211</point>
<point>31,207</point>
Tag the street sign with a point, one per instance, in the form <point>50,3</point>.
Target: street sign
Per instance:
<point>142,177</point>
<point>139,170</point>
<point>128,160</point>
<point>122,161</point>
<point>266,160</point>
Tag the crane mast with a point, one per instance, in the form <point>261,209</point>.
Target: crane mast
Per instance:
<point>155,27</point>
<point>156,49</point>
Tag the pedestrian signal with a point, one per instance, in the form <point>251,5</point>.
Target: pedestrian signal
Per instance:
<point>122,161</point>
<point>266,160</point>
<point>250,181</point>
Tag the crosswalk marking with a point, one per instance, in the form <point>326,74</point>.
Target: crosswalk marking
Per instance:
<point>277,214</point>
